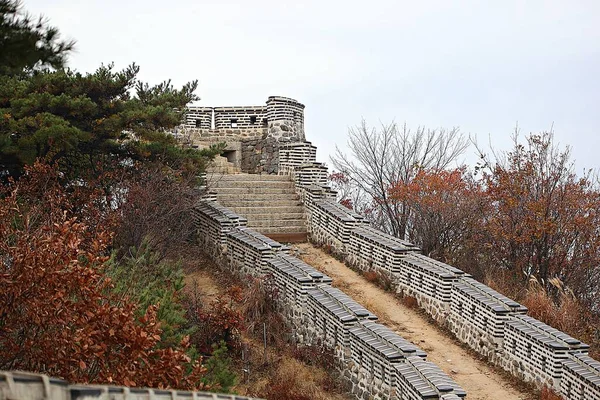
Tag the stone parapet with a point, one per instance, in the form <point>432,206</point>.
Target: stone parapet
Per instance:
<point>30,386</point>
<point>491,324</point>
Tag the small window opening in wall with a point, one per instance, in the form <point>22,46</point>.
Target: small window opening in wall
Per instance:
<point>198,123</point>
<point>528,350</point>
<point>234,122</point>
<point>253,119</point>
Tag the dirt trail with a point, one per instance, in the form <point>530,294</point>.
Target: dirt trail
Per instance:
<point>479,380</point>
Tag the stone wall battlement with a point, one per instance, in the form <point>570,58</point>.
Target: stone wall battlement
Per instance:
<point>280,117</point>
<point>366,352</point>
<point>31,386</point>
<point>490,323</point>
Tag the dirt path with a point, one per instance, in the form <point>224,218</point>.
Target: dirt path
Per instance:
<point>479,380</point>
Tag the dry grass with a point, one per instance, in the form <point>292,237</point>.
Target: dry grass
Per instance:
<point>549,394</point>
<point>563,312</point>
<point>292,380</point>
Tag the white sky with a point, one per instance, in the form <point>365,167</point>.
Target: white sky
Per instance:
<point>480,65</point>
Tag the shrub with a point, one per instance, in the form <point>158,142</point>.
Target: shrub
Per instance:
<point>410,302</point>
<point>220,322</point>
<point>549,394</point>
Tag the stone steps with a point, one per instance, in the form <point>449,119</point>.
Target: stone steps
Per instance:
<point>269,231</point>
<point>253,190</point>
<point>272,216</point>
<point>227,184</point>
<point>275,222</point>
<point>265,197</point>
<point>269,202</point>
<point>255,178</point>
<point>231,203</point>
<point>269,210</point>
<point>220,165</point>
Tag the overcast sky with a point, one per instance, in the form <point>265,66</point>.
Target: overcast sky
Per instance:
<point>480,65</point>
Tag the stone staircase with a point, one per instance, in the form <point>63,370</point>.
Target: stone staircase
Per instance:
<point>269,202</point>
<point>220,165</point>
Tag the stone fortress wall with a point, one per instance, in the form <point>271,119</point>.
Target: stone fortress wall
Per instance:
<point>30,386</point>
<point>488,322</point>
<point>253,134</point>
<point>375,362</point>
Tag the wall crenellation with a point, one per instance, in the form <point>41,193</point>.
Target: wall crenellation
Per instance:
<point>534,349</point>
<point>581,377</point>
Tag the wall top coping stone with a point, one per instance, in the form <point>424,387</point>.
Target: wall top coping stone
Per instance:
<point>297,269</point>
<point>275,245</point>
<point>546,334</point>
<point>438,264</point>
<point>433,373</point>
<point>442,270</point>
<point>385,341</point>
<point>214,209</point>
<point>342,306</point>
<point>584,366</point>
<point>248,239</point>
<point>338,211</point>
<point>389,241</point>
<point>496,301</point>
<point>428,378</point>
<point>35,385</point>
<point>285,99</point>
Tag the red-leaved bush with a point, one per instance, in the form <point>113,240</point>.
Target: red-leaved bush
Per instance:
<point>57,313</point>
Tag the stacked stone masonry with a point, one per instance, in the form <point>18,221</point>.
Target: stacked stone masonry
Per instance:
<point>368,353</point>
<point>581,378</point>
<point>29,386</point>
<point>488,322</point>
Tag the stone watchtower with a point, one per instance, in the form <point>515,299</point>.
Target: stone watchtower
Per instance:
<point>253,134</point>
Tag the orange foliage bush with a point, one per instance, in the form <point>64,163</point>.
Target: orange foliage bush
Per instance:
<point>57,313</point>
<point>549,394</point>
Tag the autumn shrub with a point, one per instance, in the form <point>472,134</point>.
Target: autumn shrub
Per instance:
<point>57,311</point>
<point>548,394</point>
<point>145,278</point>
<point>221,320</point>
<point>410,302</point>
<point>156,208</point>
<point>315,354</point>
<point>371,276</point>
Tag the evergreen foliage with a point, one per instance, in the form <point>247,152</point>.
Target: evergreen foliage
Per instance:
<point>142,277</point>
<point>28,44</point>
<point>83,120</point>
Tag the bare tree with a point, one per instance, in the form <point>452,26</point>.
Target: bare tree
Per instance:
<point>379,158</point>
